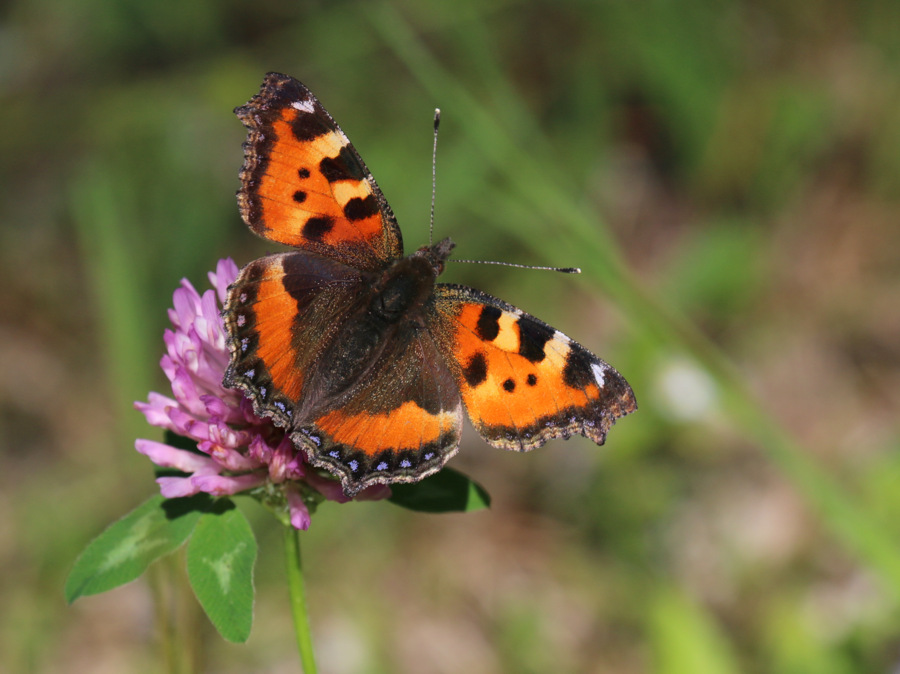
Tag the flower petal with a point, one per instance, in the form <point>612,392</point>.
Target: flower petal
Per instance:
<point>172,457</point>
<point>222,411</point>
<point>228,458</point>
<point>223,485</point>
<point>300,518</point>
<point>330,489</point>
<point>225,274</point>
<point>186,303</point>
<point>210,325</point>
<point>185,390</point>
<point>286,462</point>
<point>176,487</point>
<point>157,410</point>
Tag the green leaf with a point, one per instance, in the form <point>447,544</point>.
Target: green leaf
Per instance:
<point>127,547</point>
<point>444,492</point>
<point>220,560</point>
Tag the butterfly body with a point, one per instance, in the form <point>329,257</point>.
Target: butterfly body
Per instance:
<point>354,348</point>
<point>390,310</point>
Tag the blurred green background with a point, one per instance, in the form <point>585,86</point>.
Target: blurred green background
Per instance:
<point>727,175</point>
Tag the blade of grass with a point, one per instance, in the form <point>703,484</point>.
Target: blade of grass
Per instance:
<point>537,189</point>
<point>99,203</point>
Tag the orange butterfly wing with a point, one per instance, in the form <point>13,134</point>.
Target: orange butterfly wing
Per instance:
<point>522,381</point>
<point>304,185</point>
<point>281,315</point>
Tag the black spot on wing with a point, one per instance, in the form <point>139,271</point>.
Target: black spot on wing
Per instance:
<point>315,229</point>
<point>299,196</point>
<point>303,173</point>
<point>577,372</point>
<point>475,371</point>
<point>488,326</point>
<point>307,126</point>
<point>509,386</point>
<point>343,167</point>
<point>532,338</point>
<point>360,209</point>
<point>532,379</point>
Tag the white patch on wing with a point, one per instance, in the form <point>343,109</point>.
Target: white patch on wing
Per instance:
<point>598,374</point>
<point>304,106</point>
<point>561,337</point>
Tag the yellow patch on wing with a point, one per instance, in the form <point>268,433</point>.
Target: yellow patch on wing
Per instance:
<point>345,190</point>
<point>508,337</point>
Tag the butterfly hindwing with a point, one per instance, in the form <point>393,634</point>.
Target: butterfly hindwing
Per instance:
<point>522,381</point>
<point>304,185</point>
<point>281,313</point>
<point>399,422</point>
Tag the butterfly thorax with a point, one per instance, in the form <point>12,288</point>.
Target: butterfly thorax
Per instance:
<point>393,310</point>
<point>401,291</point>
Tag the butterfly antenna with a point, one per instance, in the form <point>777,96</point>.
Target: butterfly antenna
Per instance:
<point>563,270</point>
<point>437,123</point>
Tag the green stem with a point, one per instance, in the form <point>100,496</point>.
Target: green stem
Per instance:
<point>298,598</point>
<point>175,615</point>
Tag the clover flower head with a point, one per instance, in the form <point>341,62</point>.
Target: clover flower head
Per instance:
<point>238,450</point>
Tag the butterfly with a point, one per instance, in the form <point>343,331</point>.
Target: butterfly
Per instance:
<point>354,348</point>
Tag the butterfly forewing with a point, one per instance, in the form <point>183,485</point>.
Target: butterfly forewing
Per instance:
<point>304,185</point>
